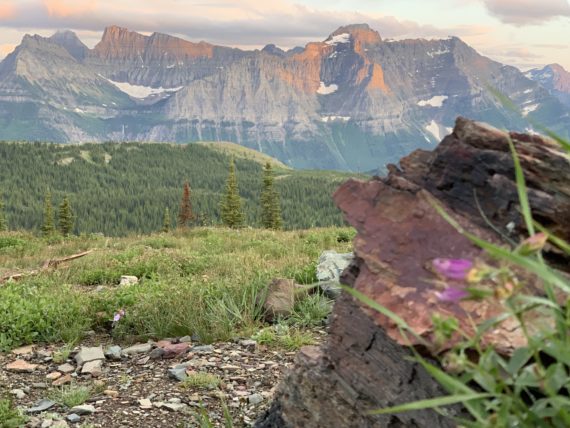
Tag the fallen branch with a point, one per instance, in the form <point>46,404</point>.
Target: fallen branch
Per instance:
<point>50,263</point>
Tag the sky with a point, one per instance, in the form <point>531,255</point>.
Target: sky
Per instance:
<point>523,33</point>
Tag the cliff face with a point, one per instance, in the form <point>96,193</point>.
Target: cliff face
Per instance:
<point>554,78</point>
<point>352,101</point>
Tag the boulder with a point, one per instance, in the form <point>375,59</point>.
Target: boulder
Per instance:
<point>329,267</point>
<point>364,363</point>
<point>128,280</point>
<point>280,298</point>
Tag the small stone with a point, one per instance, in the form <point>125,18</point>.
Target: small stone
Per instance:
<point>73,418</point>
<point>249,344</point>
<point>62,380</point>
<point>59,424</point>
<point>175,407</point>
<point>185,339</point>
<point>94,368</point>
<point>85,409</point>
<point>111,393</point>
<point>157,354</point>
<point>89,354</point>
<point>39,385</point>
<point>128,280</point>
<point>140,348</point>
<point>46,423</point>
<point>41,406</point>
<point>230,367</point>
<point>145,404</point>
<point>53,376</point>
<point>23,350</point>
<point>175,400</point>
<point>21,366</point>
<point>175,350</point>
<point>178,373</point>
<point>255,399</point>
<point>66,368</point>
<point>113,353</point>
<point>203,349</point>
<point>18,393</point>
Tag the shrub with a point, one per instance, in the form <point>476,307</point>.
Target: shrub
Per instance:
<point>10,417</point>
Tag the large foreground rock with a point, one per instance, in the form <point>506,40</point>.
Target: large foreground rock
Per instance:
<point>363,364</point>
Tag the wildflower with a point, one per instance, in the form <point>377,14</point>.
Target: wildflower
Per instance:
<point>533,244</point>
<point>457,269</point>
<point>118,315</point>
<point>452,294</point>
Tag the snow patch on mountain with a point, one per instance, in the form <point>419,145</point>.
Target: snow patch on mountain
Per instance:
<point>435,129</point>
<point>339,38</point>
<point>326,90</point>
<point>436,101</point>
<point>439,52</point>
<point>335,118</point>
<point>139,91</point>
<point>529,109</point>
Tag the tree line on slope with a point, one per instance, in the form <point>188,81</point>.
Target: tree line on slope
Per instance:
<point>116,189</point>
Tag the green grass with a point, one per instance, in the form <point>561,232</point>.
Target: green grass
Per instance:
<point>203,281</point>
<point>201,380</point>
<point>10,417</point>
<point>284,337</point>
<point>71,395</point>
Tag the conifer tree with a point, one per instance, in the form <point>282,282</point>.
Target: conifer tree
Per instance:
<point>65,218</point>
<point>3,222</point>
<point>231,211</point>
<point>185,215</point>
<point>166,221</point>
<point>270,205</point>
<point>48,227</point>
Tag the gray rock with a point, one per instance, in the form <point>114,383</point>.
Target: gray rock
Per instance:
<point>157,353</point>
<point>175,407</point>
<point>18,393</point>
<point>255,398</point>
<point>329,268</point>
<point>89,354</point>
<point>185,339</point>
<point>114,353</point>
<point>93,368</point>
<point>59,424</point>
<point>178,373</point>
<point>128,280</point>
<point>202,349</point>
<point>73,418</point>
<point>85,409</point>
<point>250,344</point>
<point>141,348</point>
<point>41,406</point>
<point>66,368</point>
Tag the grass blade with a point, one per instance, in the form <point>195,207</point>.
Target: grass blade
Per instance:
<point>431,403</point>
<point>560,243</point>
<point>522,189</point>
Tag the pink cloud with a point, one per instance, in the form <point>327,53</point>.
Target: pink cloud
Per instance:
<point>67,8</point>
<point>7,10</point>
<point>525,12</point>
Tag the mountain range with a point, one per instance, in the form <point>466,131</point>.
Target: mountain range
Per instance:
<point>353,101</point>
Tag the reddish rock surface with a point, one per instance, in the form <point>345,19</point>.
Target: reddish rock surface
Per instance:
<point>363,365</point>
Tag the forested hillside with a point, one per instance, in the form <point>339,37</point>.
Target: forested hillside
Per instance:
<point>116,189</point>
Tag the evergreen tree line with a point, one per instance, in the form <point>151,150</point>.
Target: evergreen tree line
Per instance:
<point>118,189</point>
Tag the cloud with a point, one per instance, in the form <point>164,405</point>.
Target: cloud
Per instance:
<point>234,22</point>
<point>526,12</point>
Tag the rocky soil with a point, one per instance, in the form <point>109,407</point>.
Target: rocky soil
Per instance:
<point>143,384</point>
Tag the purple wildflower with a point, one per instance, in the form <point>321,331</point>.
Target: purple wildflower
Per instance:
<point>452,294</point>
<point>118,315</point>
<point>453,268</point>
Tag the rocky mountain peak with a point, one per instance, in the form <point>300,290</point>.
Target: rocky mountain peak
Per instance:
<point>271,49</point>
<point>70,42</point>
<point>119,42</point>
<point>359,33</point>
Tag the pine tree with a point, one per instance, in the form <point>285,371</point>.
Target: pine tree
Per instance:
<point>65,219</point>
<point>270,205</point>
<point>48,227</point>
<point>231,211</point>
<point>185,215</point>
<point>3,222</point>
<point>166,221</point>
